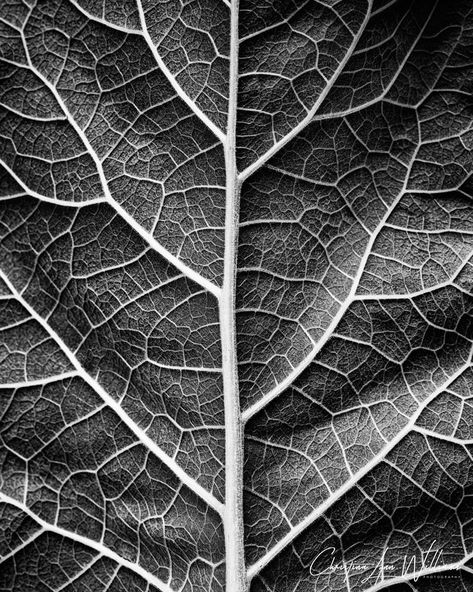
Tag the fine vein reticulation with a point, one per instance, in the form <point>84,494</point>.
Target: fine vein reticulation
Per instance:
<point>236,302</point>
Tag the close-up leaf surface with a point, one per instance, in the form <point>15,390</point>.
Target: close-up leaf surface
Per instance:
<point>236,294</point>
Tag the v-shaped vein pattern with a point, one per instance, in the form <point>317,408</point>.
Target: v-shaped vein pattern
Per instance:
<point>337,169</point>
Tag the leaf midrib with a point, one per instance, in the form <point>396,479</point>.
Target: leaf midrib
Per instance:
<point>235,576</point>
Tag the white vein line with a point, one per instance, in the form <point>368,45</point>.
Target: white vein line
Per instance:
<point>443,231</point>
<point>108,585</point>
<point>275,25</point>
<point>176,86</point>
<point>207,497</point>
<point>417,293</point>
<point>191,274</point>
<point>54,200</point>
<point>103,21</point>
<point>202,369</point>
<point>350,483</point>
<point>384,8</point>
<point>24,544</point>
<point>148,577</point>
<point>438,436</point>
<point>28,117</point>
<point>278,145</point>
<point>39,382</point>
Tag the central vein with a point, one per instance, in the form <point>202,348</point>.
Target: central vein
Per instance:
<point>233,516</point>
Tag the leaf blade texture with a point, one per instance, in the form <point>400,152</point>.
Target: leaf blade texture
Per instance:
<point>320,205</point>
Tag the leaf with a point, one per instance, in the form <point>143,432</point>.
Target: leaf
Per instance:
<point>221,220</point>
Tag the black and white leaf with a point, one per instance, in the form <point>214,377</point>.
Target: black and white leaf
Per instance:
<point>236,293</point>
